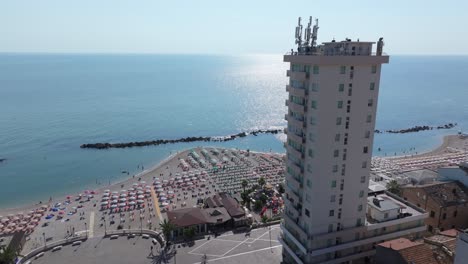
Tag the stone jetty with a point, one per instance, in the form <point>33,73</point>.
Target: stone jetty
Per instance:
<point>416,129</point>
<point>180,140</point>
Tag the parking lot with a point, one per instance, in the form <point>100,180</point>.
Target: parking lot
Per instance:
<point>233,248</point>
<point>122,250</point>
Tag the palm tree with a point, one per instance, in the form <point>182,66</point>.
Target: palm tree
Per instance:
<point>261,182</point>
<point>244,184</point>
<point>167,228</point>
<point>394,187</point>
<point>7,255</point>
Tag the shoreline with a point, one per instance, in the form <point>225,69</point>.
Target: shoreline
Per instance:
<point>447,141</point>
<point>113,185</point>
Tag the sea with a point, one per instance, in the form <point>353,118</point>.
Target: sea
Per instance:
<point>50,104</point>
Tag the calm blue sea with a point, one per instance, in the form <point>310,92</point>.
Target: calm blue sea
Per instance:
<point>50,104</point>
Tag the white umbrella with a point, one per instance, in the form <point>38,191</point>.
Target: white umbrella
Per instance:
<point>107,190</point>
<point>104,203</point>
<point>190,183</point>
<point>135,184</point>
<point>141,196</point>
<point>105,194</point>
<point>123,191</point>
<point>122,204</point>
<point>162,198</point>
<point>165,181</point>
<point>158,186</point>
<point>140,201</point>
<point>159,190</point>
<point>162,194</point>
<point>4,220</point>
<point>115,192</point>
<point>140,192</point>
<point>170,192</point>
<point>131,198</point>
<point>131,189</point>
<point>123,200</point>
<point>132,194</point>
<point>143,182</point>
<point>132,203</point>
<point>123,195</point>
<point>114,201</point>
<point>105,198</point>
<point>114,206</point>
<point>115,197</point>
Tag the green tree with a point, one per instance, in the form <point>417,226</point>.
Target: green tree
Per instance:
<point>280,188</point>
<point>244,183</point>
<point>394,187</point>
<point>7,255</point>
<point>258,205</point>
<point>261,182</point>
<point>264,219</point>
<point>189,233</point>
<point>167,227</point>
<point>245,197</point>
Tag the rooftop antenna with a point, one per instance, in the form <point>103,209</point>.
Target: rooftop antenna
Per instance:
<point>308,33</point>
<point>314,33</point>
<point>299,33</point>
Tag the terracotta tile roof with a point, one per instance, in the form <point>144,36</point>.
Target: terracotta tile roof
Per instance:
<point>450,233</point>
<point>423,254</point>
<point>399,244</point>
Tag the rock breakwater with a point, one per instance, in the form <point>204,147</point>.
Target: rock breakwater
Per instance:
<point>180,140</point>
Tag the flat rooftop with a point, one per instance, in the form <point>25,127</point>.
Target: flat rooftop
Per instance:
<point>391,202</point>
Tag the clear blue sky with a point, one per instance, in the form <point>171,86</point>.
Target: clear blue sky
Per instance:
<point>227,27</point>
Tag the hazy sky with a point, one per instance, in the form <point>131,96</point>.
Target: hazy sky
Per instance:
<point>227,27</point>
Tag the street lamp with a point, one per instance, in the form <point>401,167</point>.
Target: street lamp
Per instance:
<point>43,235</point>
<point>105,227</point>
<point>141,224</point>
<point>86,228</point>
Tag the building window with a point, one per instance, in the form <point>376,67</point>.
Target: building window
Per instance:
<point>340,104</point>
<point>455,214</point>
<point>337,137</point>
<point>444,216</point>
<point>432,214</point>
<point>313,121</point>
<point>336,153</point>
<point>369,118</point>
<point>309,168</point>
<point>333,198</point>
<point>363,179</point>
<point>311,137</point>
<point>374,69</point>
<point>338,121</point>
<point>307,212</point>
<point>359,208</point>
<point>309,184</point>
<point>372,86</point>
<point>361,194</point>
<point>341,87</point>
<point>333,184</point>
<point>335,168</point>
<point>297,68</point>
<point>331,213</point>
<point>316,69</point>
<point>342,69</point>
<point>385,215</point>
<point>307,197</point>
<point>364,164</point>
<point>367,135</point>
<point>330,229</point>
<point>313,104</point>
<point>365,150</point>
<point>314,87</point>
<point>358,222</point>
<point>311,153</point>
<point>429,228</point>
<point>370,102</point>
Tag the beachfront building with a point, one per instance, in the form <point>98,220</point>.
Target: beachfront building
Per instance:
<point>332,100</point>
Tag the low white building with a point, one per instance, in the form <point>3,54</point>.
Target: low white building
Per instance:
<point>381,208</point>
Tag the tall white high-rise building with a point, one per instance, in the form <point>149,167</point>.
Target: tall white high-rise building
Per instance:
<point>332,101</point>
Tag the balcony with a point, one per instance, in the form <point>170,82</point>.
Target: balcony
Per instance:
<point>292,223</point>
<point>298,108</point>
<point>293,239</point>
<point>290,251</point>
<point>300,76</point>
<point>351,257</point>
<point>295,137</point>
<point>368,241</point>
<point>297,154</point>
<point>295,91</point>
<point>297,168</point>
<point>295,122</point>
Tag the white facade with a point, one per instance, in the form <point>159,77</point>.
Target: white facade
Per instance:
<point>332,104</point>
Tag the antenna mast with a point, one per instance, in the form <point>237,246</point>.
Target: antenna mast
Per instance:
<point>308,33</point>
<point>299,33</point>
<point>314,33</point>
